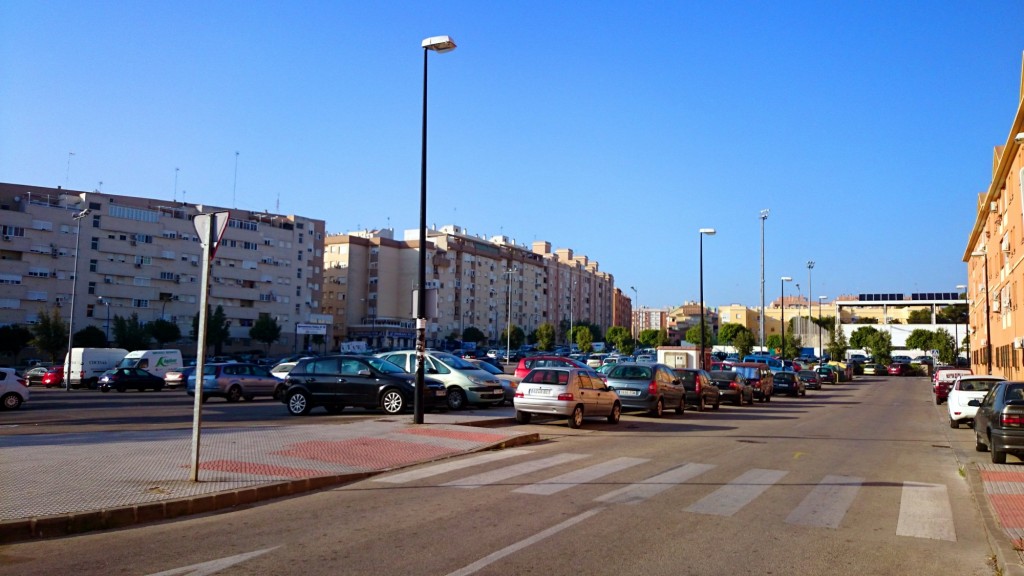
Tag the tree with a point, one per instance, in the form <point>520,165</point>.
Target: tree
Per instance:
<point>880,344</point>
<point>773,342</point>
<point>584,339</point>
<point>919,317</point>
<point>14,339</point>
<point>89,337</point>
<point>266,330</point>
<point>648,337</point>
<point>727,332</point>
<point>837,344</point>
<point>793,345</point>
<point>546,336</point>
<point>944,343</point>
<point>867,320</point>
<point>473,334</point>
<point>50,334</point>
<point>130,333</point>
<point>954,314</point>
<point>163,331</point>
<point>218,329</point>
<point>743,341</point>
<point>517,337</point>
<point>921,339</point>
<point>693,335</point>
<point>862,336</point>
<point>617,336</point>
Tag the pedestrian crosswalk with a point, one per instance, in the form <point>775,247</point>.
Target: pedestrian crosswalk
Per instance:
<point>924,512</point>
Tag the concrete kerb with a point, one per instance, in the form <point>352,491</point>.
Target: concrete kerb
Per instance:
<point>20,530</point>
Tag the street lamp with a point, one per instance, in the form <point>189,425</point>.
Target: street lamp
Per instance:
<point>783,300</point>
<point>810,290</point>
<point>821,344</point>
<point>988,323</point>
<point>703,232</point>
<point>572,288</point>
<point>439,44</point>
<point>635,319</point>
<point>508,320</point>
<point>106,302</point>
<point>764,216</point>
<point>74,283</point>
<point>956,336</point>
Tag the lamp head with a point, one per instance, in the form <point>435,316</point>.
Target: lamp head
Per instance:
<point>439,44</point>
<point>707,231</point>
<point>786,279</point>
<point>764,214</point>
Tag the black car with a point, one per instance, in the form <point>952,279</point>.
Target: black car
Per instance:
<point>700,390</point>
<point>335,382</point>
<point>733,386</point>
<point>34,376</point>
<point>651,387</point>
<point>999,422</point>
<point>121,379</point>
<point>789,383</point>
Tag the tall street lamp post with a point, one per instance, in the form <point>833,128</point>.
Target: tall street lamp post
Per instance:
<point>810,290</point>
<point>821,344</point>
<point>635,318</point>
<point>508,319</point>
<point>764,216</point>
<point>988,322</point>
<point>956,336</point>
<point>106,302</point>
<point>74,284</point>
<point>783,300</point>
<point>703,232</point>
<point>439,44</point>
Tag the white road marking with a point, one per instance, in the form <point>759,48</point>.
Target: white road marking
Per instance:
<point>444,467</point>
<point>495,476</point>
<point>655,484</point>
<point>577,477</point>
<point>491,558</point>
<point>925,512</point>
<point>828,503</point>
<point>213,566</point>
<point>728,499</point>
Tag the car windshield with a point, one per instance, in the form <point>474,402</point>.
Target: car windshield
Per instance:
<point>748,372</point>
<point>382,365</point>
<point>488,367</point>
<point>630,372</point>
<point>723,375</point>
<point>454,361</point>
<point>784,377</point>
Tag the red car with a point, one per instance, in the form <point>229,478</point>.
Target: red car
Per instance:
<point>899,369</point>
<point>527,364</point>
<point>54,377</point>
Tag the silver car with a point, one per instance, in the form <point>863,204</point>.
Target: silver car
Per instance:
<point>568,392</point>
<point>466,384</point>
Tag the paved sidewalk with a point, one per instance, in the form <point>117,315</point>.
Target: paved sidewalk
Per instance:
<point>57,484</point>
<point>1002,486</point>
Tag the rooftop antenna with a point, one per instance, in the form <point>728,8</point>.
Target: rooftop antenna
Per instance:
<point>277,205</point>
<point>235,185</point>
<point>67,174</point>
<point>175,197</point>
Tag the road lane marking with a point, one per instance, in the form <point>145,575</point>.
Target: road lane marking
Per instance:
<point>728,499</point>
<point>501,474</point>
<point>581,476</point>
<point>655,484</point>
<point>213,566</point>
<point>444,467</point>
<point>925,512</point>
<point>828,503</point>
<point>492,558</point>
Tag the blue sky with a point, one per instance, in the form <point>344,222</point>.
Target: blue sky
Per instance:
<point>615,129</point>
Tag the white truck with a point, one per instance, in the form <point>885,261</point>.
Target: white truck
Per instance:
<point>87,364</point>
<point>156,362</point>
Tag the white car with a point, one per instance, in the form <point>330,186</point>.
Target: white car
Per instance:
<point>966,388</point>
<point>282,369</point>
<point>13,389</point>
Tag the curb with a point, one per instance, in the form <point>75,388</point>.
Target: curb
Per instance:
<point>41,527</point>
<point>1007,560</point>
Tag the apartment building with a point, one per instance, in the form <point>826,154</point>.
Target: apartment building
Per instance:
<point>993,255</point>
<point>142,256</point>
<point>486,283</point>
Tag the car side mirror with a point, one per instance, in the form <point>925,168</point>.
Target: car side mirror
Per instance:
<point>431,370</point>
<point>974,403</point>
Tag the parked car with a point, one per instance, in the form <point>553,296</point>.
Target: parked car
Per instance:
<point>281,370</point>
<point>121,379</point>
<point>810,378</point>
<point>827,374</point>
<point>336,382</point>
<point>236,380</point>
<point>34,375</point>
<point>873,369</point>
<point>965,389</point>
<point>54,377</point>
<point>465,383</point>
<point>999,421</point>
<point>650,387</point>
<point>700,390</point>
<point>13,389</point>
<point>760,377</point>
<point>789,383</point>
<point>509,382</point>
<point>733,386</point>
<point>570,392</point>
<point>179,377</point>
<point>902,359</point>
<point>900,369</point>
<point>943,381</point>
<point>927,360</point>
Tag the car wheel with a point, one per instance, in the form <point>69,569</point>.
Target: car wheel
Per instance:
<point>998,456</point>
<point>523,417</point>
<point>298,404</point>
<point>576,418</point>
<point>953,423</point>
<point>978,444</point>
<point>234,394</point>
<point>738,400</point>
<point>392,401</point>
<point>659,409</point>
<point>616,413</point>
<point>750,399</point>
<point>11,401</point>
<point>937,401</point>
<point>702,404</point>
<point>334,408</point>
<point>456,399</point>
<point>682,405</point>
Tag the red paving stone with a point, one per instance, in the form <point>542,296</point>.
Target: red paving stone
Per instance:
<point>1010,508</point>
<point>1000,476</point>
<point>373,453</point>
<point>259,469</point>
<point>456,434</point>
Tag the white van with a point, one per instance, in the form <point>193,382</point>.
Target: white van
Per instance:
<point>156,362</point>
<point>87,364</point>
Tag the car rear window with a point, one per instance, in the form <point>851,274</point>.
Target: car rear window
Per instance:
<point>686,376</point>
<point>975,385</point>
<point>625,372</point>
<point>784,376</point>
<point>722,375</point>
<point>541,376</point>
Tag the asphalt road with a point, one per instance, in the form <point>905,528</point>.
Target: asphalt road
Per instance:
<point>860,478</point>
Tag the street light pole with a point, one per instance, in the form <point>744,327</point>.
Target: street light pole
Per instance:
<point>508,319</point>
<point>634,318</point>
<point>988,321</point>
<point>810,290</point>
<point>764,216</point>
<point>956,336</point>
<point>821,344</point>
<point>783,300</point>
<point>106,302</point>
<point>439,44</point>
<point>703,232</point>
<point>74,284</point>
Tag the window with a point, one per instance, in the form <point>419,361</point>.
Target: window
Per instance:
<point>10,278</point>
<point>139,214</point>
<point>140,303</point>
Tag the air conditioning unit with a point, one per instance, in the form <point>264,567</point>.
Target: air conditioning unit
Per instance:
<point>992,207</point>
<point>1018,343</point>
<point>137,265</point>
<point>7,238</point>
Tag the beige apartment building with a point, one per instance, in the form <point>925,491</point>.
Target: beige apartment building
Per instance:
<point>994,255</point>
<point>142,256</point>
<point>486,283</point>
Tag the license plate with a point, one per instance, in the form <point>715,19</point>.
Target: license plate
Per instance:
<point>440,393</point>
<point>628,392</point>
<point>542,391</point>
